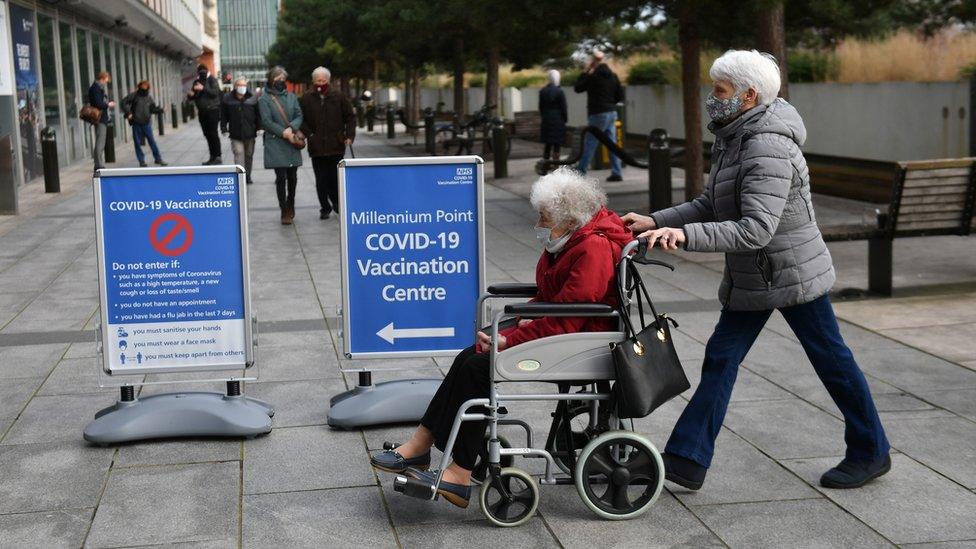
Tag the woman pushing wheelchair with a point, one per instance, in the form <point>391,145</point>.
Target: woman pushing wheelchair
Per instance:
<point>583,242</point>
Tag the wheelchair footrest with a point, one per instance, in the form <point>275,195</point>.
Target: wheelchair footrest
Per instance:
<point>413,487</point>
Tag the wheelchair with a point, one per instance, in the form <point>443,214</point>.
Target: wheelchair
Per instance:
<point>617,472</point>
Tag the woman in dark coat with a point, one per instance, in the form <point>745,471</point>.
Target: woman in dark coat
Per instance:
<point>552,107</point>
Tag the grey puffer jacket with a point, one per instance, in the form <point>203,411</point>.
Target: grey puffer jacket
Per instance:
<point>757,209</point>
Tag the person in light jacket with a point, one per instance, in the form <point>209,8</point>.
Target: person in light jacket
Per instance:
<point>241,119</point>
<point>756,208</point>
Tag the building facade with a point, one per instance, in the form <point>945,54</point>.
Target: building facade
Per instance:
<point>50,53</point>
<point>247,30</point>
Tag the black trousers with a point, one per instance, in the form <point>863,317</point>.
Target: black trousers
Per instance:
<point>551,149</point>
<point>467,379</point>
<point>209,121</point>
<point>283,177</point>
<point>327,181</point>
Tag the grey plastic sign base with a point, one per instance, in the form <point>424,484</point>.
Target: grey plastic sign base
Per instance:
<point>399,401</point>
<point>176,415</point>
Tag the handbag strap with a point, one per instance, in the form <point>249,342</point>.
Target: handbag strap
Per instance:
<point>637,288</point>
<point>281,110</point>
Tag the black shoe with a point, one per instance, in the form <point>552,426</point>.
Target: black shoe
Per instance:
<point>392,462</point>
<point>143,165</point>
<point>218,160</point>
<point>161,163</point>
<point>250,181</point>
<point>683,471</point>
<point>615,177</point>
<point>324,215</point>
<point>458,494</point>
<point>854,474</point>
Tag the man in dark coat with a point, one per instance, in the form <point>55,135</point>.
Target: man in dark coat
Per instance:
<point>240,117</point>
<point>205,92</point>
<point>603,92</point>
<point>329,123</point>
<point>98,98</point>
<point>138,108</point>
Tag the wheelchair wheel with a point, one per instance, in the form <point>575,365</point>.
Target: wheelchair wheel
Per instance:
<point>619,475</point>
<point>520,504</point>
<point>579,418</point>
<point>481,466</point>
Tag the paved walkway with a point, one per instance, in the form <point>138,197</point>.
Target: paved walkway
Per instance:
<point>307,485</point>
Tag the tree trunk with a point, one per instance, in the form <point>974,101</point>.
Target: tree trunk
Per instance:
<point>491,79</point>
<point>407,104</point>
<point>690,43</point>
<point>376,75</point>
<point>772,39</point>
<point>459,77</point>
<point>344,85</point>
<point>415,112</point>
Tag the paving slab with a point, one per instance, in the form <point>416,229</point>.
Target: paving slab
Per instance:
<point>956,343</point>
<point>475,535</point>
<point>803,523</point>
<point>910,504</point>
<point>946,444</point>
<point>306,458</point>
<point>14,394</point>
<point>74,376</point>
<point>64,528</point>
<point>666,524</point>
<point>787,428</point>
<point>30,360</point>
<point>348,517</point>
<point>56,418</point>
<point>174,452</point>
<point>962,402</point>
<point>297,403</point>
<point>913,370</point>
<point>47,477</point>
<point>168,504</point>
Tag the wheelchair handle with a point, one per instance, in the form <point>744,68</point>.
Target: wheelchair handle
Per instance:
<point>641,255</point>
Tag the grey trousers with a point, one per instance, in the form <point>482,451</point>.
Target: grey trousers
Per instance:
<point>99,151</point>
<point>243,154</point>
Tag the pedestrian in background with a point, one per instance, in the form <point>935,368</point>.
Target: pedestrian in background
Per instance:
<point>239,117</point>
<point>281,118</point>
<point>205,92</point>
<point>138,108</point>
<point>552,108</point>
<point>329,123</point>
<point>98,98</point>
<point>603,92</point>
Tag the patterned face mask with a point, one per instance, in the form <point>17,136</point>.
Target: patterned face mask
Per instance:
<point>722,110</point>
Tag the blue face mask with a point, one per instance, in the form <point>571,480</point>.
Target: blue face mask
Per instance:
<point>722,110</point>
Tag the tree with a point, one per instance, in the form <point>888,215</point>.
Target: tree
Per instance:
<point>771,36</point>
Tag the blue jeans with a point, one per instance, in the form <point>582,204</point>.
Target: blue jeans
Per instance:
<point>138,131</point>
<point>604,121</point>
<point>816,327</point>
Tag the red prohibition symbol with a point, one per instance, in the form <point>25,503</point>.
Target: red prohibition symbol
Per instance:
<point>161,242</point>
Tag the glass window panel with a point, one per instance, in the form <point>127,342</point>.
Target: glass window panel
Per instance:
<point>69,79</point>
<point>97,59</point>
<point>49,79</point>
<point>85,74</point>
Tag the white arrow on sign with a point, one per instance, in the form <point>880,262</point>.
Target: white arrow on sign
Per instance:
<point>390,334</point>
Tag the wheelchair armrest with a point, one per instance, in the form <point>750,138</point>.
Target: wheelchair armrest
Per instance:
<point>513,289</point>
<point>560,309</point>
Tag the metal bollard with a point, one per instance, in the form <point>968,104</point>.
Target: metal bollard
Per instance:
<point>659,170</point>
<point>110,143</point>
<point>390,123</point>
<point>183,112</point>
<point>172,111</point>
<point>429,132</point>
<point>49,159</point>
<point>160,123</point>
<point>370,113</point>
<point>499,145</point>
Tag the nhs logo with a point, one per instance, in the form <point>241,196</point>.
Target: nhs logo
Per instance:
<point>465,171</point>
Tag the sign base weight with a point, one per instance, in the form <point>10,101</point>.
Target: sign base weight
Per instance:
<point>179,415</point>
<point>399,401</point>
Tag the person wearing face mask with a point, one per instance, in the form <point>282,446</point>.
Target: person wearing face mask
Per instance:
<point>205,93</point>
<point>582,241</point>
<point>757,209</point>
<point>240,118</point>
<point>330,124</point>
<point>281,119</point>
<point>138,108</point>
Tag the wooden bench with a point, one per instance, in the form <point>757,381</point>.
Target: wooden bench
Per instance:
<point>928,198</point>
<point>528,125</point>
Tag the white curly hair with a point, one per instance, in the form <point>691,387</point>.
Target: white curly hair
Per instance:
<point>568,197</point>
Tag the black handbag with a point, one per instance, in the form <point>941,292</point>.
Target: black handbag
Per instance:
<point>648,372</point>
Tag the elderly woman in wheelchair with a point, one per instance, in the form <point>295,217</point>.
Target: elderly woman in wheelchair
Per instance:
<point>561,335</point>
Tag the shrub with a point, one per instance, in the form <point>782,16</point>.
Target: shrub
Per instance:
<point>811,66</point>
<point>968,72</point>
<point>569,77</point>
<point>526,80</point>
<point>477,81</point>
<point>657,71</point>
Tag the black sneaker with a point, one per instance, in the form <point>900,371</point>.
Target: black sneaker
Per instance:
<point>683,471</point>
<point>615,177</point>
<point>324,215</point>
<point>161,163</point>
<point>854,474</point>
<point>143,165</point>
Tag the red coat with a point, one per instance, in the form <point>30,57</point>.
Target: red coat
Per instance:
<point>583,272</point>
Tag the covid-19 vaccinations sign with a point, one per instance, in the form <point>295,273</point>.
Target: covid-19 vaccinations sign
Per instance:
<point>173,276</point>
<point>412,254</point>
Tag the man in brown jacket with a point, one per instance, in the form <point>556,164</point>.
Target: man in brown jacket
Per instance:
<point>330,126</point>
